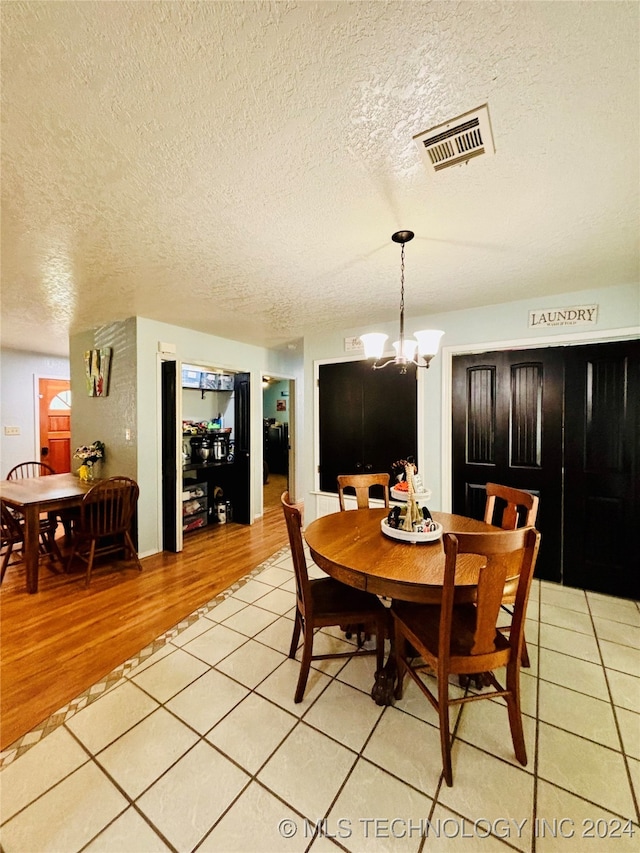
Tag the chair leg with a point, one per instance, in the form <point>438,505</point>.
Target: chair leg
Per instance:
<point>297,624</point>
<point>51,547</point>
<point>381,633</point>
<point>515,715</point>
<point>92,551</point>
<point>5,560</point>
<point>524,657</point>
<point>131,548</point>
<point>401,668</point>
<point>445,736</point>
<point>305,663</point>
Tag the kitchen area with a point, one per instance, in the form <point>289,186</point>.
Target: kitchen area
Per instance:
<point>211,489</point>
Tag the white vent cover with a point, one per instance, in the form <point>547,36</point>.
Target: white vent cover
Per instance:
<point>457,141</point>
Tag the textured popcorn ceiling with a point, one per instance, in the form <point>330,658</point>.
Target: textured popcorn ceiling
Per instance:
<point>239,168</point>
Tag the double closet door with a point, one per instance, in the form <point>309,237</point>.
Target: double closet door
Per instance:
<point>563,423</point>
<point>368,419</point>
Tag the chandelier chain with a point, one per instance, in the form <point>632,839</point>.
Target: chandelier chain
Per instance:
<point>402,293</point>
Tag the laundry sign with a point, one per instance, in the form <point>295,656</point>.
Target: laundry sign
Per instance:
<point>576,315</point>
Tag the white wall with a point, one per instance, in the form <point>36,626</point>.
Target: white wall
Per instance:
<point>481,328</point>
<point>19,374</point>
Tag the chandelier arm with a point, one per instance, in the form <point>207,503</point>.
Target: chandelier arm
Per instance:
<point>389,361</point>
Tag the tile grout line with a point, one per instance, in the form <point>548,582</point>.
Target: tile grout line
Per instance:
<point>625,759</point>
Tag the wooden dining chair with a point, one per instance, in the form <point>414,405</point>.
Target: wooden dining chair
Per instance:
<point>362,485</point>
<point>30,469</point>
<point>49,523</point>
<point>452,638</point>
<point>326,602</point>
<point>43,469</point>
<point>509,509</point>
<point>12,538</point>
<point>104,522</point>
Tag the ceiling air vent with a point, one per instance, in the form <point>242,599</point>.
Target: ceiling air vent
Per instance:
<point>457,141</point>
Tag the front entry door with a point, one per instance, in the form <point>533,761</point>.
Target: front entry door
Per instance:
<point>55,423</point>
<point>562,423</point>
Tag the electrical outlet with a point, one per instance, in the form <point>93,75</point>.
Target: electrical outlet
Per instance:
<point>8,430</point>
<point>127,434</point>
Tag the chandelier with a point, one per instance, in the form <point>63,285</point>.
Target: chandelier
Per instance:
<point>418,350</point>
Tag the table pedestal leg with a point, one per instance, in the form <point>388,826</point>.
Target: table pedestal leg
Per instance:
<point>385,680</point>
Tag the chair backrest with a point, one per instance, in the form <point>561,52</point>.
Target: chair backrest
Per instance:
<point>509,555</point>
<point>12,529</point>
<point>29,469</point>
<point>293,518</point>
<point>362,484</point>
<point>108,507</point>
<point>521,509</point>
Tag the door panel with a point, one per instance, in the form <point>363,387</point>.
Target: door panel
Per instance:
<point>240,479</point>
<point>341,415</point>
<point>55,424</point>
<point>507,428</point>
<point>602,468</point>
<point>170,523</point>
<point>368,419</point>
<point>390,411</point>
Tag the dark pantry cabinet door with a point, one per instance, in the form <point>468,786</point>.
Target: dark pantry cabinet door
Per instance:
<point>563,423</point>
<point>507,428</point>
<point>602,468</point>
<point>368,419</point>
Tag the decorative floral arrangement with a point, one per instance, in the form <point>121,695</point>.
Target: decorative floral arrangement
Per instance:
<point>90,454</point>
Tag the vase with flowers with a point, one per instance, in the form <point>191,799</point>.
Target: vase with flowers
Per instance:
<point>90,454</point>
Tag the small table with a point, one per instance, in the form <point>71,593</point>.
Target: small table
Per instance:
<point>351,547</point>
<point>34,495</point>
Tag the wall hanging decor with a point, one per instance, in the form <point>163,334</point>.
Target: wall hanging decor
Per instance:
<point>97,365</point>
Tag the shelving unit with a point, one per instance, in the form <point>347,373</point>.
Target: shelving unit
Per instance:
<point>195,506</point>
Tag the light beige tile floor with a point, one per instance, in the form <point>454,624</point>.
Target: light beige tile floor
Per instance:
<point>196,744</point>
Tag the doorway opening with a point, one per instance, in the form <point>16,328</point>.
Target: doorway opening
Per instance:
<point>276,438</point>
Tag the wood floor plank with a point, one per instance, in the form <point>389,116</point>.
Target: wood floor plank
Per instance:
<point>57,643</point>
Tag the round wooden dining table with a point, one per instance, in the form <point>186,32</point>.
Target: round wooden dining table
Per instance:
<point>351,547</point>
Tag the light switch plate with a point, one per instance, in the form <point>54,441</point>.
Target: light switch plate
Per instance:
<point>9,430</point>
<point>353,344</point>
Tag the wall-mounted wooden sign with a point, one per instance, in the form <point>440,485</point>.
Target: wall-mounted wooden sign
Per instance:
<point>576,315</point>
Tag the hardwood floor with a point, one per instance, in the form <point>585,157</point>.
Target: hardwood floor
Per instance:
<point>57,643</point>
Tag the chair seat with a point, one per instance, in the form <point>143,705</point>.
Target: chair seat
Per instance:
<point>332,598</point>
<point>423,620</point>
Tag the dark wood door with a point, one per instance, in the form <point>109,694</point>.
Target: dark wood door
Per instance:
<point>169,457</point>
<point>562,423</point>
<point>507,428</point>
<point>602,468</point>
<point>239,474</point>
<point>368,419</point>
